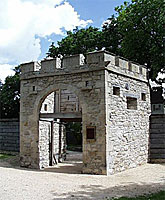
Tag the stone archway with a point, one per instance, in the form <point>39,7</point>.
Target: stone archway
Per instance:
<point>35,86</point>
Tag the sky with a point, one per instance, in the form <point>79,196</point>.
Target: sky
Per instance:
<point>28,27</point>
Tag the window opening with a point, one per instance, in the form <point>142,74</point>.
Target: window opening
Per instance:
<point>116,91</point>
<point>87,83</point>
<point>143,97</point>
<point>131,103</point>
<point>34,88</point>
<point>45,107</point>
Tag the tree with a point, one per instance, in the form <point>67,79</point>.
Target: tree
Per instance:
<point>112,36</point>
<point>10,96</point>
<point>140,29</point>
<point>135,32</point>
<point>76,42</point>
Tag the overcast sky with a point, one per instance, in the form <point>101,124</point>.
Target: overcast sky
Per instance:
<point>27,27</point>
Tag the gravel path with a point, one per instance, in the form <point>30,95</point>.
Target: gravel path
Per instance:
<point>62,183</point>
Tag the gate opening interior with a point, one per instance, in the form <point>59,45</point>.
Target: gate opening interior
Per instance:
<point>60,131</point>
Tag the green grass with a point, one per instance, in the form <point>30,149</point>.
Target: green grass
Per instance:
<point>3,156</point>
<point>156,196</point>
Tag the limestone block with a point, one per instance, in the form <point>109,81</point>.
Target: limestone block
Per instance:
<point>100,57</point>
<point>144,71</point>
<point>75,60</point>
<point>123,63</point>
<point>30,67</point>
<point>135,67</point>
<point>50,65</point>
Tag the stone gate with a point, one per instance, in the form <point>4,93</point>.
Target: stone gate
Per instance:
<point>112,101</point>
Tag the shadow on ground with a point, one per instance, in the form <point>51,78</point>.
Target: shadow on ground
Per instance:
<point>72,165</point>
<point>66,168</point>
<point>97,192</point>
<point>14,163</point>
<point>92,191</point>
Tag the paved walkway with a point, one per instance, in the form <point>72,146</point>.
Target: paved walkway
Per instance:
<point>22,184</point>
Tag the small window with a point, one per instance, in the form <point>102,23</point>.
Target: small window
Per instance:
<point>91,133</point>
<point>34,88</point>
<point>143,96</point>
<point>68,98</point>
<point>45,107</point>
<point>117,61</point>
<point>129,66</point>
<point>131,103</point>
<point>87,83</point>
<point>140,69</point>
<point>116,91</point>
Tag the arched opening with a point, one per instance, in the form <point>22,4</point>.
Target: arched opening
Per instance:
<point>60,132</point>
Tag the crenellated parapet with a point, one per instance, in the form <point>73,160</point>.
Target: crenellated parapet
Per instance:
<point>93,61</point>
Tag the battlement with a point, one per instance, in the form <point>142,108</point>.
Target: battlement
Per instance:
<point>93,61</point>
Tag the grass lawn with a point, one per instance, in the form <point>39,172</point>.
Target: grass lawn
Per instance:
<point>2,156</point>
<point>156,196</point>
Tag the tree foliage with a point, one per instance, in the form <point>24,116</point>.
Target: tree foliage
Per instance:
<point>142,27</point>
<point>76,42</point>
<point>74,133</point>
<point>112,36</point>
<point>10,96</point>
<point>136,31</point>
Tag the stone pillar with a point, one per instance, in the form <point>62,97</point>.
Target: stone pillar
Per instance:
<point>29,125</point>
<point>93,117</point>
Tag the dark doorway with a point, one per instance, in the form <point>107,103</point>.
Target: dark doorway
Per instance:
<point>74,136</point>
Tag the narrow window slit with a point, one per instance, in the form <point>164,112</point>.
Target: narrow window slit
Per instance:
<point>116,91</point>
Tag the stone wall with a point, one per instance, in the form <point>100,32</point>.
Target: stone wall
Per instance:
<point>48,150</point>
<point>59,146</point>
<point>157,139</point>
<point>9,135</point>
<point>63,101</point>
<point>127,123</point>
<point>69,102</point>
<point>48,106</point>
<point>44,141</point>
